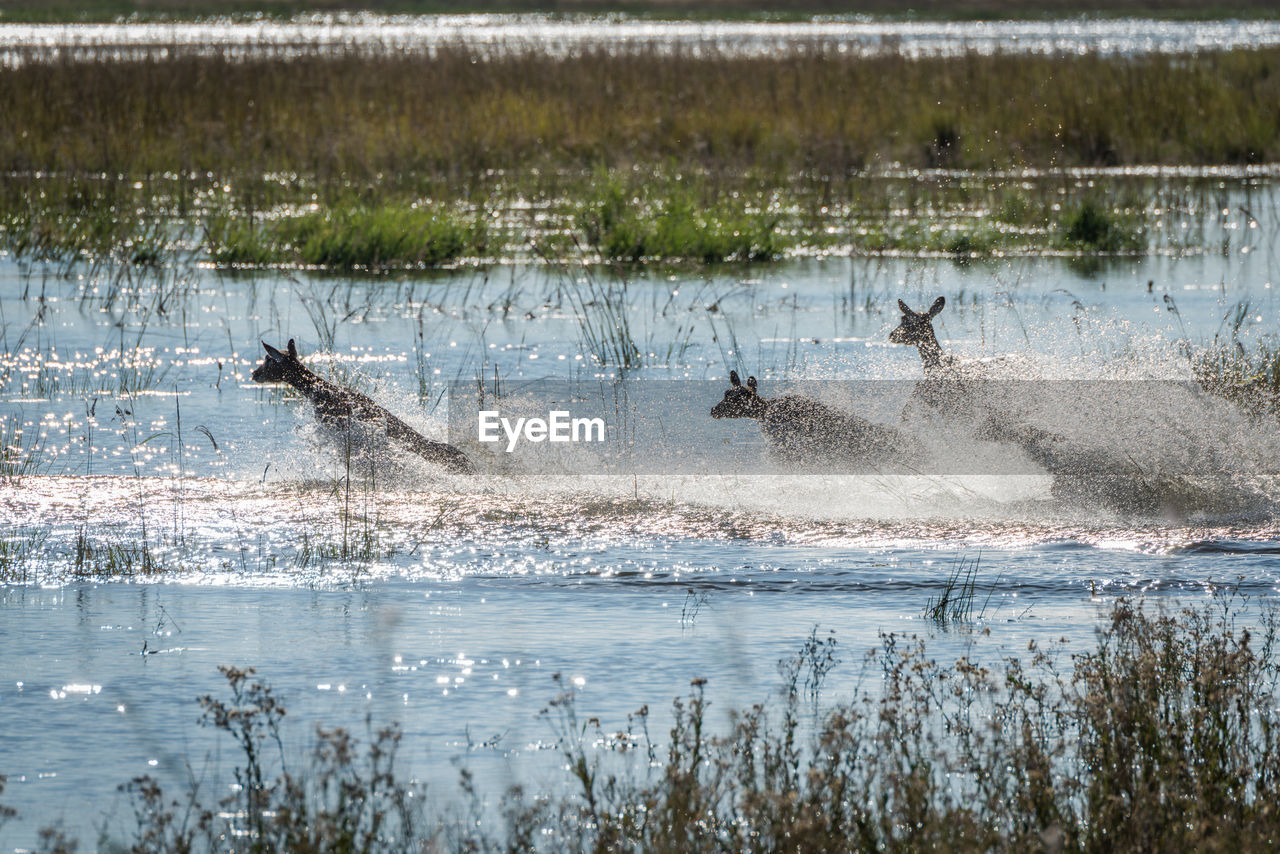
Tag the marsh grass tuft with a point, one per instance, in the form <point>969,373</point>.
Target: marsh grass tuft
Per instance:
<point>20,548</point>
<point>955,603</point>
<point>1248,377</point>
<point>351,238</point>
<point>93,558</point>
<point>1093,225</point>
<point>631,224</point>
<point>604,319</point>
<point>22,449</point>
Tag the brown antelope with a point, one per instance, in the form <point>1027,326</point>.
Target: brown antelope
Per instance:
<point>341,406</point>
<point>804,430</point>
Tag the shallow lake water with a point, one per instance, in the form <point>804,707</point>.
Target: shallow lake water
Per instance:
<point>164,515</point>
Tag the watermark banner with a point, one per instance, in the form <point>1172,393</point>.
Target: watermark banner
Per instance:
<point>1136,429</point>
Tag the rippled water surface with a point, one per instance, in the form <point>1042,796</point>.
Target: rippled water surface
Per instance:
<point>163,514</point>
<point>559,36</point>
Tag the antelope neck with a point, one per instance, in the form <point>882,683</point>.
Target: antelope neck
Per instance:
<point>761,406</point>
<point>930,352</point>
<point>301,378</point>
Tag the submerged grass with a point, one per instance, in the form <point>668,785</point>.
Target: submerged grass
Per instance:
<point>1165,736</point>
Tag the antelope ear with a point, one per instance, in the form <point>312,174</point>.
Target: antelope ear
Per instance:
<point>293,350</point>
<point>937,306</point>
<point>272,353</point>
<point>906,309</point>
<point>751,384</point>
<point>734,380</point>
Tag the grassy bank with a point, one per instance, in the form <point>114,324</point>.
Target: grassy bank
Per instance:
<point>1162,737</point>
<point>357,123</point>
<point>633,157</point>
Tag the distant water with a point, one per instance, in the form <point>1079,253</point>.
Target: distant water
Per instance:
<point>503,34</point>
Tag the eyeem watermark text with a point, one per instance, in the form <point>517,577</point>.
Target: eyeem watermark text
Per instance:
<point>559,426</point>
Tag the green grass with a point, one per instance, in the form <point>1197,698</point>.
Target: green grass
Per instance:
<point>348,238</point>
<point>624,217</point>
<point>621,224</point>
<point>1092,225</point>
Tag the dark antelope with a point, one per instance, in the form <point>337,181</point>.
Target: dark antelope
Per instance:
<point>336,405</point>
<point>948,388</point>
<point>916,329</point>
<point>801,429</point>
<point>1095,477</point>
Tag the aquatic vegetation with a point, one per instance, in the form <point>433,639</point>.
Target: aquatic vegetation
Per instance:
<point>22,449</point>
<point>603,318</point>
<point>351,238</point>
<point>97,558</point>
<point>1093,225</point>
<point>955,603</point>
<point>19,549</point>
<point>622,225</point>
<point>1236,366</point>
<point>1247,377</point>
<point>93,220</point>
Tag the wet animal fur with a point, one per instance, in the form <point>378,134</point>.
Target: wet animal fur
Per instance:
<point>803,430</point>
<point>951,388</point>
<point>334,405</point>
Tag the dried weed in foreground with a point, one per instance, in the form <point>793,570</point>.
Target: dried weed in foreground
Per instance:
<point>1163,737</point>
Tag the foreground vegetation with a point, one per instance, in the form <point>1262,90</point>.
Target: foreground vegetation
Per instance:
<point>355,160</point>
<point>1163,737</point>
